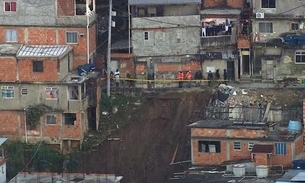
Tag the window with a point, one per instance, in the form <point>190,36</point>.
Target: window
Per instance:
<point>265,27</point>
<point>295,26</point>
<point>268,3</point>
<point>69,118</point>
<point>11,36</point>
<point>72,37</point>
<point>146,36</point>
<point>37,66</point>
<point>280,148</point>
<point>7,92</point>
<point>50,119</point>
<point>24,91</point>
<point>51,93</point>
<point>10,6</point>
<point>300,57</point>
<point>237,146</point>
<point>209,146</point>
<point>250,146</point>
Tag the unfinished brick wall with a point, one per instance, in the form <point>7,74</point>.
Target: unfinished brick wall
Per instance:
<point>26,73</point>
<point>12,124</point>
<point>243,42</point>
<point>223,3</point>
<point>55,36</point>
<point>65,7</point>
<point>8,69</point>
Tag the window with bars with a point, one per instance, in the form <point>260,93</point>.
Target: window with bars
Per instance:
<point>72,37</point>
<point>146,36</point>
<point>300,57</point>
<point>37,66</point>
<point>24,91</point>
<point>280,148</point>
<point>237,146</point>
<point>295,26</point>
<point>250,146</point>
<point>7,92</point>
<point>10,6</point>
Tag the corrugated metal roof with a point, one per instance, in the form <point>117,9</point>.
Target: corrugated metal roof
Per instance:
<point>152,2</point>
<point>2,140</point>
<point>43,50</point>
<point>260,148</point>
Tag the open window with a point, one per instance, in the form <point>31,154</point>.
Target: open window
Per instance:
<point>69,118</point>
<point>209,146</point>
<point>80,6</point>
<point>73,93</point>
<point>51,93</point>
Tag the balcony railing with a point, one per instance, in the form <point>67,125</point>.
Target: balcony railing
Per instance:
<point>217,41</point>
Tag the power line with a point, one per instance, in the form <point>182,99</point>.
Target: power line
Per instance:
<point>291,9</point>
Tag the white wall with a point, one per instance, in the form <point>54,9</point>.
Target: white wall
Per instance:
<point>3,173</point>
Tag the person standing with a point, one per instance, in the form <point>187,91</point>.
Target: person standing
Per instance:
<point>189,77</point>
<point>217,75</point>
<point>180,77</point>
<point>198,77</point>
<point>210,78</point>
<point>225,76</point>
<point>117,78</point>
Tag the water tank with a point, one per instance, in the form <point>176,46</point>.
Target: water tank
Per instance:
<point>294,126</point>
<point>239,170</point>
<point>298,164</point>
<point>262,171</point>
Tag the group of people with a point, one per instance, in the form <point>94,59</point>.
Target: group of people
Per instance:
<point>199,76</point>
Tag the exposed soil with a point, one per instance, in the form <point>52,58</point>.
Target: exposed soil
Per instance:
<point>150,139</point>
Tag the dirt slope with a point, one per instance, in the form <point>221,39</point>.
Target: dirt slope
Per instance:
<point>150,139</point>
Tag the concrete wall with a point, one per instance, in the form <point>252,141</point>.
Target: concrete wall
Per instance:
<point>37,95</point>
<point>163,38</point>
<point>178,10</point>
<point>42,13</point>
<point>281,6</point>
<point>279,26</point>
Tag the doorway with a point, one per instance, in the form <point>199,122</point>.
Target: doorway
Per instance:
<point>150,74</point>
<point>231,70</point>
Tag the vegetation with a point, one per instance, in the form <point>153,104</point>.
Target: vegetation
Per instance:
<point>115,113</point>
<point>39,158</point>
<point>33,115</point>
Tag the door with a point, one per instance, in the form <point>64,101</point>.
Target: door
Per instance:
<point>269,69</point>
<point>231,70</point>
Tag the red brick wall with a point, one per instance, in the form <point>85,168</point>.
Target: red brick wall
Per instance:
<point>243,42</point>
<point>12,122</point>
<point>8,71</point>
<point>209,158</point>
<point>223,3</point>
<point>141,68</point>
<point>299,145</point>
<point>262,159</point>
<point>168,67</point>
<point>41,36</point>
<point>25,67</point>
<point>65,7</point>
<point>73,131</point>
<point>191,66</point>
<point>92,38</point>
<point>285,160</point>
<point>51,130</point>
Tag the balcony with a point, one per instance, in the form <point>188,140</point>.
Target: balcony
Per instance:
<point>77,105</point>
<point>218,41</point>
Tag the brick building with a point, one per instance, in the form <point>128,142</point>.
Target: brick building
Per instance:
<point>41,45</point>
<point>218,141</point>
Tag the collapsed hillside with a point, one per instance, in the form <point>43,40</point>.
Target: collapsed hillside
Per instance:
<point>155,136</point>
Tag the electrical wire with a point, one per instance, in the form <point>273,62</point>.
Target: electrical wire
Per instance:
<point>291,9</point>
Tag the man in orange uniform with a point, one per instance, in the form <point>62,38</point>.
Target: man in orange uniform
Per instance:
<point>180,77</point>
<point>189,77</point>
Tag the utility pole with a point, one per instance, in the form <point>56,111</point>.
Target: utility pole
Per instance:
<point>109,48</point>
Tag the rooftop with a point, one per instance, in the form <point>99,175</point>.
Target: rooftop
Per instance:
<point>292,176</point>
<point>30,51</point>
<point>9,49</point>
<point>227,124</point>
<point>74,78</point>
<point>71,177</point>
<point>274,131</point>
<point>162,2</point>
<point>2,140</point>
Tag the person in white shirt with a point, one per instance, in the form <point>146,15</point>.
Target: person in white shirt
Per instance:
<point>117,77</point>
